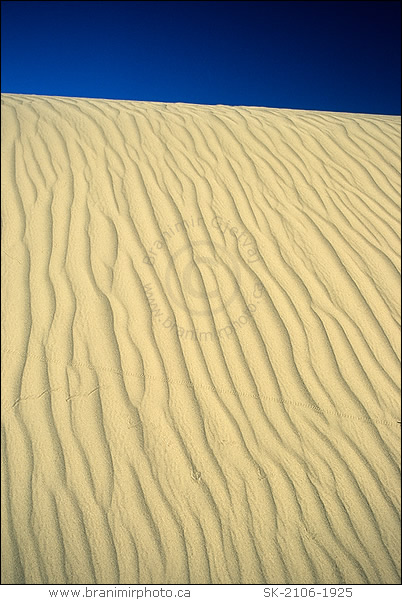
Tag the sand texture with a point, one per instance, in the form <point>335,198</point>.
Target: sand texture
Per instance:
<point>201,344</point>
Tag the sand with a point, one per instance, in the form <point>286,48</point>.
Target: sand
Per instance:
<point>201,344</point>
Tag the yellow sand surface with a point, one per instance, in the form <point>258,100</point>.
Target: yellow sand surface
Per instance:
<point>200,344</point>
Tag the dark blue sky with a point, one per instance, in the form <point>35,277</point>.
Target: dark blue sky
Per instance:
<point>319,55</point>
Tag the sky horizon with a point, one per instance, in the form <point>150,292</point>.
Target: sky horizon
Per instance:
<point>335,55</point>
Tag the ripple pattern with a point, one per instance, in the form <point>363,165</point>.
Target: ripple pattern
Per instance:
<point>201,344</point>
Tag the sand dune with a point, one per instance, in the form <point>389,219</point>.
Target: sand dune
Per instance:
<point>201,344</point>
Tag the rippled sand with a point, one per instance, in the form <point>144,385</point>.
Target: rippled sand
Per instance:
<point>200,338</point>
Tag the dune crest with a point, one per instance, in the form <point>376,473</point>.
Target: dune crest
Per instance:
<point>200,344</point>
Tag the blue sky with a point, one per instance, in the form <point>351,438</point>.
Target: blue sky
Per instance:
<point>319,55</point>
